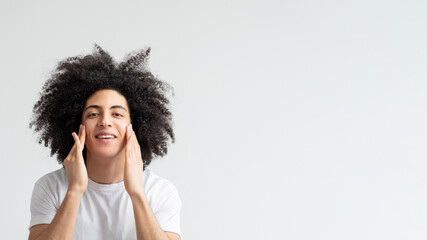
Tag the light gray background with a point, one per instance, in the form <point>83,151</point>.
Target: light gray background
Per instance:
<point>294,119</point>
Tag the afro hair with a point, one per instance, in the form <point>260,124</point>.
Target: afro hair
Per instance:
<point>59,110</point>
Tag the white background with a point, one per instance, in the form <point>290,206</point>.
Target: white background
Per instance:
<point>294,119</point>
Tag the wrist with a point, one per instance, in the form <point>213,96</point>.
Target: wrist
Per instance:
<point>137,196</point>
<point>72,192</point>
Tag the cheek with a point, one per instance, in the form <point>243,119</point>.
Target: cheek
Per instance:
<point>122,128</point>
<point>89,126</point>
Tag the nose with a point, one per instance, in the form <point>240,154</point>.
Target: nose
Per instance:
<point>105,121</point>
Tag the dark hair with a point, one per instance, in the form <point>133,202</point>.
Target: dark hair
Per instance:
<point>58,112</point>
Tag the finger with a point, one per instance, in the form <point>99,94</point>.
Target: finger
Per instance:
<point>132,144</point>
<point>76,140</point>
<point>71,153</point>
<point>135,139</point>
<point>129,132</point>
<point>82,135</point>
<point>128,138</point>
<point>80,131</point>
<point>73,148</point>
<point>136,147</point>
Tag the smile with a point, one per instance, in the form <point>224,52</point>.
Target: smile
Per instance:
<point>106,136</point>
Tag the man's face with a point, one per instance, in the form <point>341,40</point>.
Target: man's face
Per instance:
<point>105,115</point>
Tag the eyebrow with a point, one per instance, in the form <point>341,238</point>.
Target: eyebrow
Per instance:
<point>98,107</point>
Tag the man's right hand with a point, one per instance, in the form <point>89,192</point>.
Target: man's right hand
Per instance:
<point>74,164</point>
<point>64,222</point>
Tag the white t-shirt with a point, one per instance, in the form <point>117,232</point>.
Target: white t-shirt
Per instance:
<point>106,210</point>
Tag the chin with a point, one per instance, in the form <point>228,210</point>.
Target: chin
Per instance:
<point>105,153</point>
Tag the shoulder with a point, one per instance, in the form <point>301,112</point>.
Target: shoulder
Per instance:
<point>47,196</point>
<point>49,191</point>
<point>54,179</point>
<point>155,183</point>
<point>161,194</point>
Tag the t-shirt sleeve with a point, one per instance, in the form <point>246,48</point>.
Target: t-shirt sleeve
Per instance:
<point>42,206</point>
<point>168,211</point>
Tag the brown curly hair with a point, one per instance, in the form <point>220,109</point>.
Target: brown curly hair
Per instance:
<point>58,111</point>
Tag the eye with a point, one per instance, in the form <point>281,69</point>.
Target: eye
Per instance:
<point>92,115</point>
<point>117,115</point>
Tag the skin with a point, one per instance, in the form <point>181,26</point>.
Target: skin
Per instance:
<point>108,161</point>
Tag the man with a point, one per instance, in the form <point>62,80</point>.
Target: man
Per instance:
<point>104,190</point>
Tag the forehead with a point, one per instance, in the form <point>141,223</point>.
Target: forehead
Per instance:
<point>106,98</point>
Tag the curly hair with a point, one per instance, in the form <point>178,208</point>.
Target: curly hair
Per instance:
<point>58,111</point>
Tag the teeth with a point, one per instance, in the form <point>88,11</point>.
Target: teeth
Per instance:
<point>106,136</point>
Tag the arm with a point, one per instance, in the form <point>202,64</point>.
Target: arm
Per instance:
<point>62,225</point>
<point>147,226</point>
<point>146,223</point>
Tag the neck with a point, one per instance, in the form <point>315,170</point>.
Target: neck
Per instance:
<point>105,170</point>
